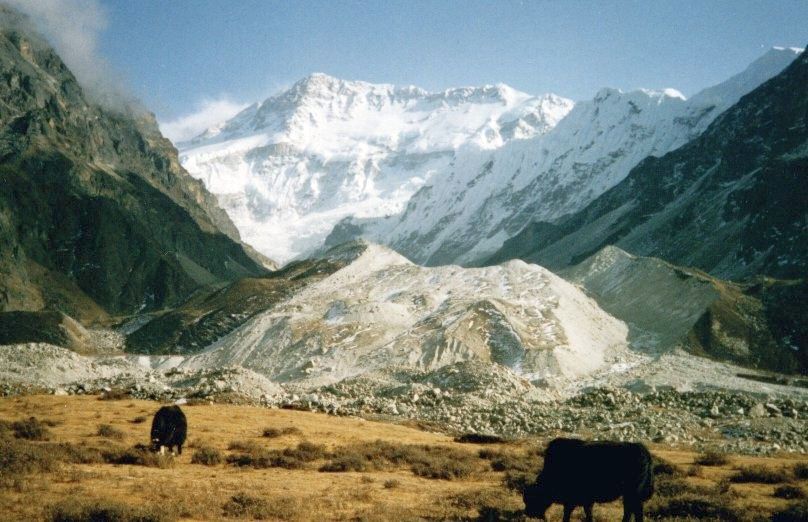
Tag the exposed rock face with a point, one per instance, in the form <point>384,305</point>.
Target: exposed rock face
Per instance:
<point>95,211</point>
<point>731,202</point>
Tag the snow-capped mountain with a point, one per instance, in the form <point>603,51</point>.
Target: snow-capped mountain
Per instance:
<point>441,177</point>
<point>289,168</point>
<point>488,196</point>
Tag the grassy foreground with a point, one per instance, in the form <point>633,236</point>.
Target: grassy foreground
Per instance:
<point>79,460</point>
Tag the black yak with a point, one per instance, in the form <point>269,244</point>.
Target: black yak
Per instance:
<point>580,473</point>
<point>169,429</point>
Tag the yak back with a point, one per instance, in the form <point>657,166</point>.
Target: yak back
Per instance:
<point>583,472</point>
<point>169,426</point>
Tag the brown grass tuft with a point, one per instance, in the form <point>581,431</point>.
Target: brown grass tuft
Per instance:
<point>433,462</point>
<point>272,433</point>
<point>110,432</point>
<point>207,456</point>
<point>243,505</point>
<point>712,458</point>
<point>30,429</point>
<point>759,474</point>
<point>83,510</point>
<point>789,492</point>
<point>289,458</point>
<point>138,455</point>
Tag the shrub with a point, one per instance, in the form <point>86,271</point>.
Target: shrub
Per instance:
<point>289,458</point>
<point>512,461</point>
<point>207,456</point>
<point>110,432</point>
<point>712,458</point>
<point>445,468</point>
<point>81,510</point>
<point>423,460</point>
<point>245,446</point>
<point>673,487</point>
<point>694,471</point>
<point>698,507</point>
<point>30,429</point>
<point>76,454</point>
<point>801,471</point>
<point>797,512</point>
<point>242,505</point>
<point>140,419</point>
<point>759,474</point>
<point>479,438</point>
<point>273,433</point>
<point>392,484</point>
<point>19,458</point>
<point>518,480</point>
<point>346,462</point>
<point>789,492</point>
<point>138,455</point>
<point>663,467</point>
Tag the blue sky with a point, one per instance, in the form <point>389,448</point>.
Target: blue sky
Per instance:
<point>184,56</point>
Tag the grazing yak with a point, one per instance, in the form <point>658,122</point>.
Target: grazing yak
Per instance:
<point>580,473</point>
<point>169,429</point>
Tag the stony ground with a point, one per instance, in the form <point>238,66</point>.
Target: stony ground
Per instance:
<point>458,398</point>
<point>215,478</point>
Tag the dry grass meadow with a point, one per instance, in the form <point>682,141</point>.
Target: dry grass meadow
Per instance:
<point>78,461</point>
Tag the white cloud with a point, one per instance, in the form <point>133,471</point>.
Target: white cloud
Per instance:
<point>208,114</point>
<point>72,27</point>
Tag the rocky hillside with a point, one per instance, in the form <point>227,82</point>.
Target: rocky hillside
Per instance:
<point>731,202</point>
<point>382,311</point>
<point>97,216</point>
<point>666,306</point>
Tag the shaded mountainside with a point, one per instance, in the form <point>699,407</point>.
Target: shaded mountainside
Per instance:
<point>731,202</point>
<point>96,215</point>
<point>208,316</point>
<point>666,306</point>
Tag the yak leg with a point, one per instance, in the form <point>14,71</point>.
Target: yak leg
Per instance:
<point>627,510</point>
<point>162,450</point>
<point>568,509</point>
<point>179,449</point>
<point>638,511</point>
<point>588,512</point>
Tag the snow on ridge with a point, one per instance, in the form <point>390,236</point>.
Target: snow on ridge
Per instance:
<point>289,168</point>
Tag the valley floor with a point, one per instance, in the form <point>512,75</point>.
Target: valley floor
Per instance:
<point>98,432</point>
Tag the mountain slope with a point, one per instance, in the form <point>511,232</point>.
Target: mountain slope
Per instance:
<point>487,196</point>
<point>667,306</point>
<point>96,215</point>
<point>381,311</point>
<point>288,169</point>
<point>732,202</point>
